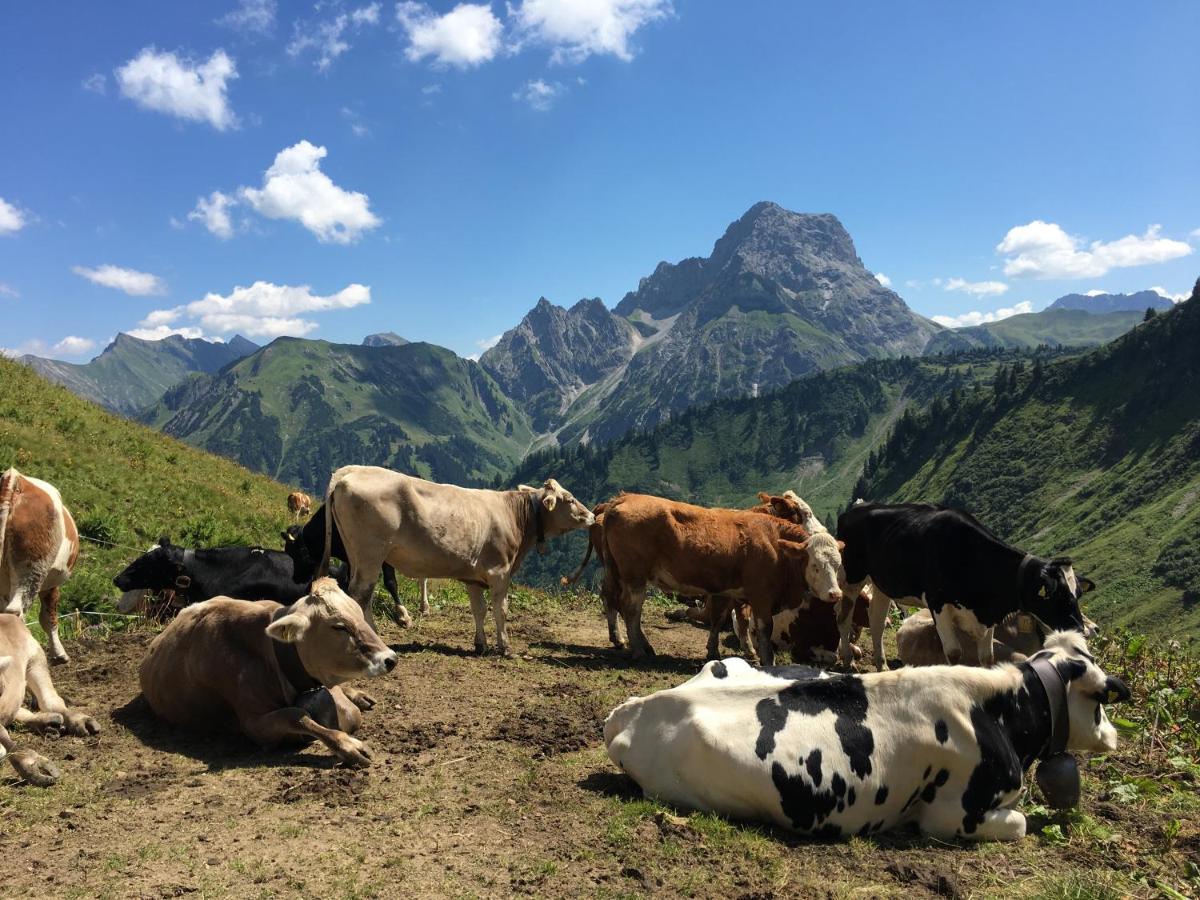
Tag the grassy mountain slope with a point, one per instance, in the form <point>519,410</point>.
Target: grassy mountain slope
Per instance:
<point>132,373</point>
<point>1050,327</point>
<point>1097,456</point>
<point>298,409</point>
<point>125,483</point>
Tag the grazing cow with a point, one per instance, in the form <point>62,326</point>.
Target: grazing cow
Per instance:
<point>945,747</point>
<point>23,667</point>
<point>1016,639</point>
<point>919,554</point>
<point>305,544</point>
<point>267,670</point>
<point>428,530</point>
<point>38,548</point>
<point>300,505</point>
<point>733,554</point>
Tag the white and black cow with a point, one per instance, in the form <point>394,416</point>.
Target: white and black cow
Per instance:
<point>945,747</point>
<point>919,554</point>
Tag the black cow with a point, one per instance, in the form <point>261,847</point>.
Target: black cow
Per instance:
<point>247,573</point>
<point>919,554</point>
<point>305,544</point>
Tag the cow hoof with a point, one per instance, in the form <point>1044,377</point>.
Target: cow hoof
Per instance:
<point>354,753</point>
<point>506,652</point>
<point>953,657</point>
<point>361,699</point>
<point>59,660</point>
<point>46,723</point>
<point>480,648</point>
<point>34,768</point>
<point>81,725</point>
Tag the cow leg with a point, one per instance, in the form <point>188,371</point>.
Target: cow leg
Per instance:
<point>362,589</point>
<point>610,598</point>
<point>38,683</point>
<point>763,640</point>
<point>30,766</point>
<point>424,595</point>
<point>943,619</point>
<point>845,622</point>
<point>741,627</point>
<point>48,618</point>
<point>986,656</point>
<point>277,726</point>
<point>1000,825</point>
<point>499,593</point>
<point>479,611</point>
<point>350,707</point>
<point>639,647</point>
<point>717,614</point>
<point>877,612</point>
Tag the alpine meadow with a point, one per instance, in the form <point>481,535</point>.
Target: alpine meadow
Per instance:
<point>599,448</point>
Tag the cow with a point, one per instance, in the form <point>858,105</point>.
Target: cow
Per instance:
<point>732,554</point>
<point>919,554</point>
<point>23,668</point>
<point>946,747</point>
<point>299,504</point>
<point>805,627</point>
<point>267,670</point>
<point>39,545</point>
<point>428,530</point>
<point>305,544</point>
<point>1016,639</point>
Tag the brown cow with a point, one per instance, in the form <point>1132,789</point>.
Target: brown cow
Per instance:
<point>692,550</point>
<point>38,548</point>
<point>23,668</point>
<point>268,670</point>
<point>300,505</point>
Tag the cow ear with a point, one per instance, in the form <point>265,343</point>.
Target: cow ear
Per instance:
<point>549,501</point>
<point>526,488</point>
<point>288,629</point>
<point>1116,691</point>
<point>841,546</point>
<point>164,541</point>
<point>287,536</point>
<point>764,497</point>
<point>1086,585</point>
<point>5,662</point>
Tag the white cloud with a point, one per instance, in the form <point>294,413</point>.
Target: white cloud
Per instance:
<point>975,288</point>
<point>255,17</point>
<point>1195,235</point>
<point>294,187</point>
<point>468,35</point>
<point>131,281</point>
<point>1164,293</point>
<point>430,89</point>
<point>158,332</point>
<point>213,212</point>
<point>982,318</point>
<point>488,343</point>
<point>327,38</point>
<point>12,219</point>
<point>9,291</point>
<point>539,94</point>
<point>261,310</point>
<point>577,29</point>
<point>356,123</point>
<point>73,346</point>
<point>1096,292</point>
<point>181,87</point>
<point>97,83</point>
<point>68,346</point>
<point>883,279</point>
<point>1043,250</point>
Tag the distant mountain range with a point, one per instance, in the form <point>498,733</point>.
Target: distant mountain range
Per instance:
<point>1054,327</point>
<point>132,373</point>
<point>1099,304</point>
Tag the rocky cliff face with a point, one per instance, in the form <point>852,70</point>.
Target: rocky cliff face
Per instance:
<point>384,339</point>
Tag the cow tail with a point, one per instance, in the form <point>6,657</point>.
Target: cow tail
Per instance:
<point>8,490</point>
<point>574,577</point>
<point>323,568</point>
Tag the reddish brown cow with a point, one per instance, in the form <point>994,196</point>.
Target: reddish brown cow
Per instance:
<point>694,551</point>
<point>299,504</point>
<point>38,548</point>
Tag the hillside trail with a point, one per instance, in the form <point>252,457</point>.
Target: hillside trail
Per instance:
<point>490,779</point>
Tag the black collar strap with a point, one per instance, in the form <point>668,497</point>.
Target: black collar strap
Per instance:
<point>290,666</point>
<point>1056,699</point>
<point>538,525</point>
<point>183,581</point>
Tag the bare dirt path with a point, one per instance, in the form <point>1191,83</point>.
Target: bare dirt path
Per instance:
<point>491,779</point>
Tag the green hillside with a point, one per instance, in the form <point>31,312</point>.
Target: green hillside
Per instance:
<point>125,483</point>
<point>1097,456</point>
<point>298,409</point>
<point>1051,327</point>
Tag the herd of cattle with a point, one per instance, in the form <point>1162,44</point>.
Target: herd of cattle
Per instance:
<point>263,642</point>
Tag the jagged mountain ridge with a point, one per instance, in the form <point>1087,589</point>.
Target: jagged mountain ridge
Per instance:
<point>1099,304</point>
<point>132,373</point>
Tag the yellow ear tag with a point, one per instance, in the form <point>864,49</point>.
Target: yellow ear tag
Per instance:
<point>1113,696</point>
<point>1042,592</point>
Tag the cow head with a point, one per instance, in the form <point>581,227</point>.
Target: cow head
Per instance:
<point>294,545</point>
<point>1056,602</point>
<point>1089,688</point>
<point>156,570</point>
<point>332,636</point>
<point>808,518</point>
<point>820,559</point>
<point>560,511</point>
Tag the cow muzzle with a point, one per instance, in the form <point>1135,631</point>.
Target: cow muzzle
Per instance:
<point>383,661</point>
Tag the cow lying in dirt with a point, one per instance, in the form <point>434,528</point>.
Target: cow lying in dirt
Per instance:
<point>1016,639</point>
<point>23,667</point>
<point>945,747</point>
<point>269,671</point>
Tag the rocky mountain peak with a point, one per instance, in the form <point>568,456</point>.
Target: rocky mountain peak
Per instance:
<point>384,339</point>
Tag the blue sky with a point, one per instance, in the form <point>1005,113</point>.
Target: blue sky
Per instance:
<point>339,169</point>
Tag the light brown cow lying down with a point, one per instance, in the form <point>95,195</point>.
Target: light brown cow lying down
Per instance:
<point>918,644</point>
<point>23,667</point>
<point>269,671</point>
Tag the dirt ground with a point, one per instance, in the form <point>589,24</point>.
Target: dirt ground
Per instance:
<point>490,779</point>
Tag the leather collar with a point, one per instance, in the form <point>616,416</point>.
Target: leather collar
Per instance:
<point>290,667</point>
<point>538,525</point>
<point>1056,699</point>
<point>183,581</point>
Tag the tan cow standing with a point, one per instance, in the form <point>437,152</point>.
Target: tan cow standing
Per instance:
<point>429,530</point>
<point>267,670</point>
<point>300,505</point>
<point>38,548</point>
<point>23,668</point>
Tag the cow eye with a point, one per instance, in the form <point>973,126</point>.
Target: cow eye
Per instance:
<point>339,626</point>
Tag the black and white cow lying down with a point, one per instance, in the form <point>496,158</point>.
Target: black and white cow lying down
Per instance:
<point>945,747</point>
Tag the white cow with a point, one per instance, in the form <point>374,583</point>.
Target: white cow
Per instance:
<point>428,530</point>
<point>944,746</point>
